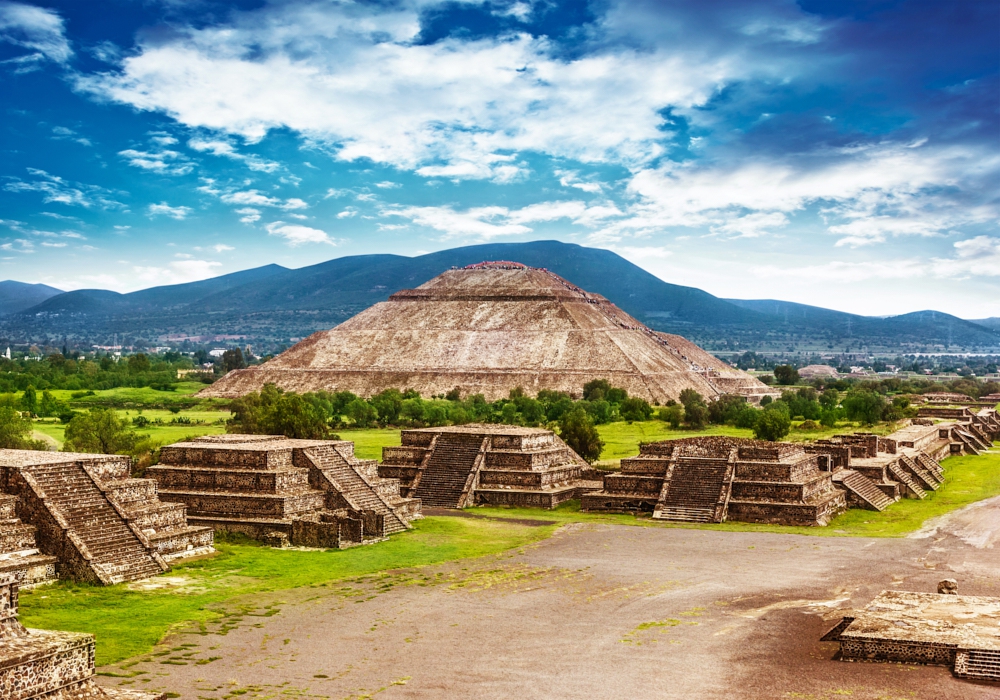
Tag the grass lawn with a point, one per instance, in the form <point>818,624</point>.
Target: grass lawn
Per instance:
<point>967,479</point>
<point>203,422</point>
<point>368,444</point>
<point>112,613</point>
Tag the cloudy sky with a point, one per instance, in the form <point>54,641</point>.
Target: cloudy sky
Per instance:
<point>838,153</point>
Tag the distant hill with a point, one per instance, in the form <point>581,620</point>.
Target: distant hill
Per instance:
<point>993,322</point>
<point>18,296</point>
<point>272,305</point>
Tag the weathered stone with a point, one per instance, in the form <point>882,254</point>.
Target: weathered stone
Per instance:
<point>487,329</point>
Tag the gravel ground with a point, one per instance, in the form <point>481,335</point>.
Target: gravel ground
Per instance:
<point>594,612</point>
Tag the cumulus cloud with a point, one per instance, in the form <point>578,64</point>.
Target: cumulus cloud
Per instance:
<point>297,235</point>
<point>225,149</point>
<point>187,269</point>
<point>162,162</point>
<point>352,79</point>
<point>164,209</point>
<point>37,29</point>
<point>495,221</point>
<point>255,198</point>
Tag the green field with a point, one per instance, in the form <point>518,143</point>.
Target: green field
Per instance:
<point>368,444</point>
<point>203,422</point>
<point>198,591</point>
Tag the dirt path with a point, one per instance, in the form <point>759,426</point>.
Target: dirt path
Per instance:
<point>47,439</point>
<point>596,612</point>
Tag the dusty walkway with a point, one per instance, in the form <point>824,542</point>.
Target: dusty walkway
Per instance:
<point>596,612</point>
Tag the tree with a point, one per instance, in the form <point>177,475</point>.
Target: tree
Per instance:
<point>138,363</point>
<point>577,429</point>
<point>634,408</point>
<point>272,411</point>
<point>233,359</point>
<point>864,406</point>
<point>15,431</point>
<point>829,399</point>
<point>387,404</point>
<point>596,389</point>
<point>29,402</point>
<point>786,375</point>
<point>772,425</point>
<point>361,413</point>
<point>671,414</point>
<point>695,410</point>
<point>102,431</point>
<point>725,408</point>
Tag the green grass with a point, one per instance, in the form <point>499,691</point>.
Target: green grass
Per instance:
<point>204,422</point>
<point>368,444</point>
<point>968,479</point>
<point>130,622</point>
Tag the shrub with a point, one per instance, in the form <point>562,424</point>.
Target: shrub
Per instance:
<point>634,408</point>
<point>103,431</point>
<point>672,415</point>
<point>578,431</point>
<point>786,375</point>
<point>772,425</point>
<point>864,406</point>
<point>15,431</point>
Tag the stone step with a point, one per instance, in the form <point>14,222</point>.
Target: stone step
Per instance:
<point>980,664</point>
<point>866,490</point>
<point>904,477</point>
<point>682,514</point>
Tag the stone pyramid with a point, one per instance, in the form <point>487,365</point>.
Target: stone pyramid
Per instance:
<point>487,329</point>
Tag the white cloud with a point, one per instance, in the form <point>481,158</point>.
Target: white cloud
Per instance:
<point>751,225</point>
<point>297,235</point>
<point>495,221</point>
<point>387,185</point>
<point>35,28</point>
<point>62,132</point>
<point>347,213</point>
<point>352,80</point>
<point>165,209</point>
<point>222,248</point>
<point>50,244</point>
<point>569,178</point>
<point>18,245</point>
<point>59,190</point>
<point>249,215</point>
<point>177,272</point>
<point>224,149</point>
<point>979,256</point>
<point>255,198</point>
<point>164,162</point>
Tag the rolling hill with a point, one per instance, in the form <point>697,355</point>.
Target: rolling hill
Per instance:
<point>18,296</point>
<point>271,305</point>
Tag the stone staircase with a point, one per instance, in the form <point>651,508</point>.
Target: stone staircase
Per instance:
<point>931,465</point>
<point>116,552</point>
<point>866,490</point>
<point>929,481</point>
<point>443,480</point>
<point>904,477</point>
<point>695,489</point>
<point>978,664</point>
<point>19,554</point>
<point>359,493</point>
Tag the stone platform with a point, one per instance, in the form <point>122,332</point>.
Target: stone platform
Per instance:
<point>459,466</point>
<point>712,479</point>
<point>86,511</point>
<point>307,492</point>
<point>962,632</point>
<point>45,665</point>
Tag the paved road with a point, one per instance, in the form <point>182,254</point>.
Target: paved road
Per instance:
<point>596,612</point>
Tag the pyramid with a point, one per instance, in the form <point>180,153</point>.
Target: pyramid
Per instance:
<point>489,328</point>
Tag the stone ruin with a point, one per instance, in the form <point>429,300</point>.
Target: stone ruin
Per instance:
<point>45,665</point>
<point>712,479</point>
<point>941,629</point>
<point>490,328</point>
<point>312,493</point>
<point>82,516</point>
<point>459,466</point>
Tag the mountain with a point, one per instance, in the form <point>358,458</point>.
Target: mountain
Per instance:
<point>18,296</point>
<point>270,306</point>
<point>993,322</point>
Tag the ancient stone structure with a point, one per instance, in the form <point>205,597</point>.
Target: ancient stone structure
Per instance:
<point>925,628</point>
<point>487,329</point>
<point>308,492</point>
<point>712,479</point>
<point>20,557</point>
<point>43,665</point>
<point>459,466</point>
<point>87,512</point>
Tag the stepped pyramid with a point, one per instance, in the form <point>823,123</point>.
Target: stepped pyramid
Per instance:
<point>309,492</point>
<point>463,465</point>
<point>100,524</point>
<point>487,329</point>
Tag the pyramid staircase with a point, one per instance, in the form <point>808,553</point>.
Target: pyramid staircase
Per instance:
<point>113,551</point>
<point>904,477</point>
<point>19,554</point>
<point>351,485</point>
<point>865,490</point>
<point>444,478</point>
<point>931,465</point>
<point>928,480</point>
<point>697,489</point>
<point>978,664</point>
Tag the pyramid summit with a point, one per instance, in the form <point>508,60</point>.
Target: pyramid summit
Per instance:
<point>486,329</point>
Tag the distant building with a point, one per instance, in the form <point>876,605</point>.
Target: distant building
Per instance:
<point>813,371</point>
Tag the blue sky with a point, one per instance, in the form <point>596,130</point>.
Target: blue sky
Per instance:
<point>843,154</point>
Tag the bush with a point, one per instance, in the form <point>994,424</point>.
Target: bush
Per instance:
<point>672,415</point>
<point>102,431</point>
<point>15,431</point>
<point>634,408</point>
<point>695,410</point>
<point>864,406</point>
<point>578,431</point>
<point>786,375</point>
<point>271,411</point>
<point>772,425</point>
